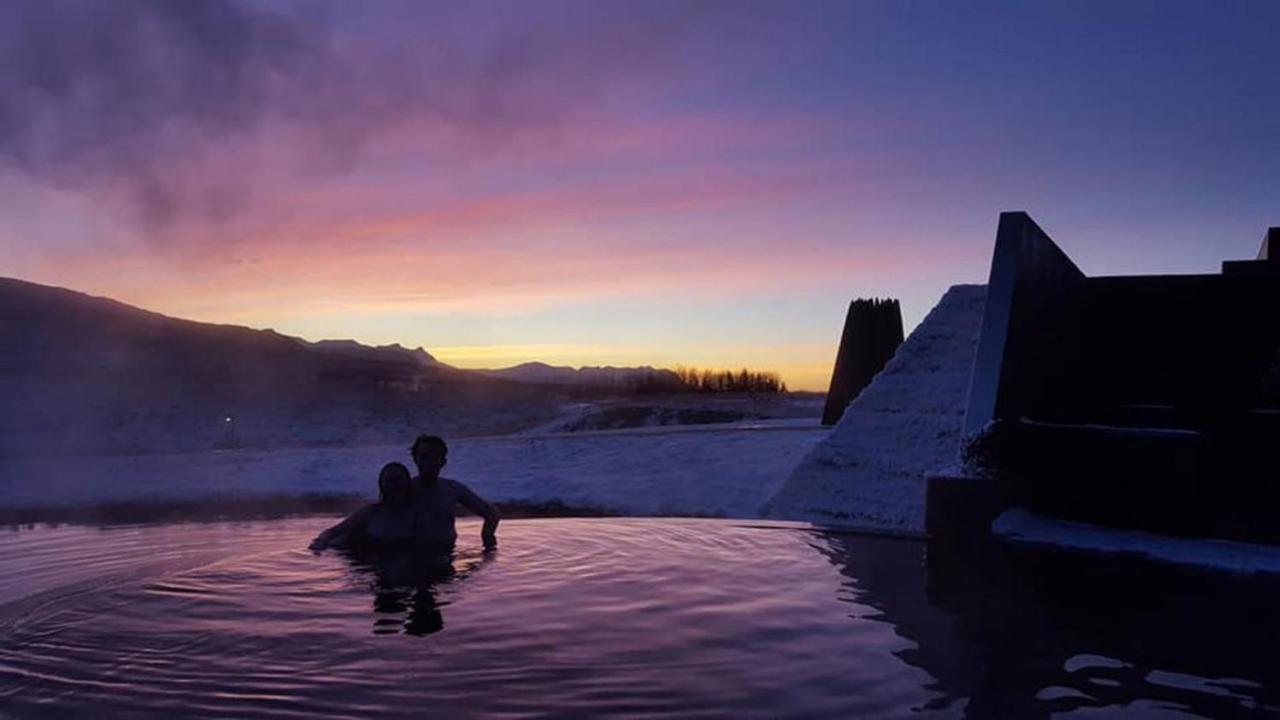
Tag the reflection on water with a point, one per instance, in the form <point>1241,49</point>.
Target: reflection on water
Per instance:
<point>632,617</point>
<point>1012,632</point>
<point>405,585</point>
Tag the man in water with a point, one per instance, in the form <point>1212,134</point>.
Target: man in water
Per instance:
<point>434,498</point>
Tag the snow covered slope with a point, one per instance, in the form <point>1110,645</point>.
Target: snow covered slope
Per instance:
<point>870,471</point>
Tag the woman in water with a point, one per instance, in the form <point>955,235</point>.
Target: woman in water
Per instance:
<point>390,521</point>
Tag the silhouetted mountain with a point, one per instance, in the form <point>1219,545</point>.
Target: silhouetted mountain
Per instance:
<point>87,374</point>
<point>83,373</point>
<point>61,334</point>
<point>351,348</point>
<point>608,376</point>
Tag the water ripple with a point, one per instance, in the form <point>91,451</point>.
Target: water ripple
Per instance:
<point>568,617</point>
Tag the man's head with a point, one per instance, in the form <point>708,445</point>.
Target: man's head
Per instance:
<point>430,453</point>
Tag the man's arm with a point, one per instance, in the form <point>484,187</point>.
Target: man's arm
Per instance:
<point>478,505</point>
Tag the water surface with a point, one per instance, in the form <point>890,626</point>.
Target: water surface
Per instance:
<point>640,617</point>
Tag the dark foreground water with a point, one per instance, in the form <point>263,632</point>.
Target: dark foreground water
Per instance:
<point>606,616</point>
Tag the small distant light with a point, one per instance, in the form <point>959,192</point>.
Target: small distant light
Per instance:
<point>228,419</point>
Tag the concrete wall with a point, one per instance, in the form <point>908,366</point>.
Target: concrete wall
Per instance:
<point>1144,402</point>
<point>1198,344</point>
<point>1031,279</point>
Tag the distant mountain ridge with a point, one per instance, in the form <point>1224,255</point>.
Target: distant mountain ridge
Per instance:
<point>41,309</point>
<point>85,374</point>
<point>542,373</point>
<point>50,330</point>
<point>357,349</point>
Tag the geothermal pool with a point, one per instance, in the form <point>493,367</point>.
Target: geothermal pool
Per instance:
<point>635,617</point>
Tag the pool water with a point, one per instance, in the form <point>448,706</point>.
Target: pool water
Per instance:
<point>633,617</point>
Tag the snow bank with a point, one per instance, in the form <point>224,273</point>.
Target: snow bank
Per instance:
<point>870,471</point>
<point>676,471</point>
<point>1021,525</point>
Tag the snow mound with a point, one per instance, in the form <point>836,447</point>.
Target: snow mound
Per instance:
<point>1020,525</point>
<point>870,471</point>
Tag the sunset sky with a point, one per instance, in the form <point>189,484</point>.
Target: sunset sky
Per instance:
<point>618,183</point>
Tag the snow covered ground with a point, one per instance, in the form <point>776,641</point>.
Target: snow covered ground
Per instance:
<point>683,409</point>
<point>870,471</point>
<point>1023,526</point>
<point>720,470</point>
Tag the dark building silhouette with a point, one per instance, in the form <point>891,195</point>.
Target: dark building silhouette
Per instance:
<point>872,333</point>
<point>1144,402</point>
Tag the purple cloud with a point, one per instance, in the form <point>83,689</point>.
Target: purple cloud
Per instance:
<point>156,100</point>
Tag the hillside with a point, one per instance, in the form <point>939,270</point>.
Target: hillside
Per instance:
<point>88,374</point>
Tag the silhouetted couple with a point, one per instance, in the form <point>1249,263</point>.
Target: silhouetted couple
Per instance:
<point>413,512</point>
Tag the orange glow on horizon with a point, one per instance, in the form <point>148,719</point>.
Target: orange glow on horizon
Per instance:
<point>801,367</point>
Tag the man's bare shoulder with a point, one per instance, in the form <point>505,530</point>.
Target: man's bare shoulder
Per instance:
<point>462,491</point>
<point>455,485</point>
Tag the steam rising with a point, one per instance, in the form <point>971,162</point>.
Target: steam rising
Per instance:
<point>123,91</point>
<point>169,102</point>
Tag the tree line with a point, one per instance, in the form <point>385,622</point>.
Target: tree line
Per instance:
<point>688,380</point>
<point>728,381</point>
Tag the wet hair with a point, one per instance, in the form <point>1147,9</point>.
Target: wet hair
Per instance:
<point>392,472</point>
<point>435,440</point>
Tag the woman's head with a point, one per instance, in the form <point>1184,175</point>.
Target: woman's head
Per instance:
<point>394,484</point>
